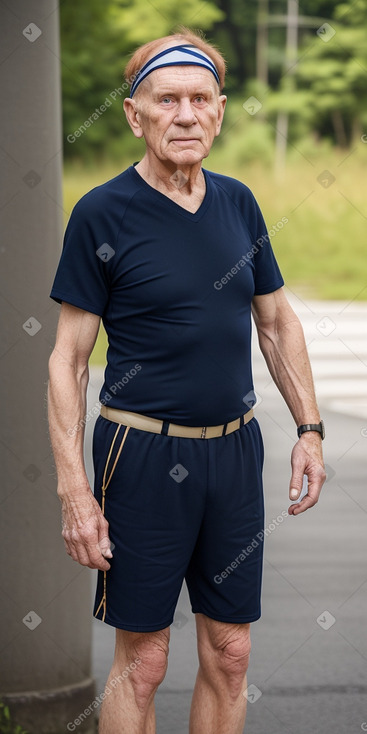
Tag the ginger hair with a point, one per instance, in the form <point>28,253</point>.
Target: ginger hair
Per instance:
<point>182,35</point>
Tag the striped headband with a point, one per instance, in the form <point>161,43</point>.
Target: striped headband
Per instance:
<point>175,56</point>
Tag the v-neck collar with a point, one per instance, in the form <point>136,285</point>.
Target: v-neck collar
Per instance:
<point>193,216</point>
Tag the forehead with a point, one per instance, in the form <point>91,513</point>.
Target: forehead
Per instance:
<point>180,78</point>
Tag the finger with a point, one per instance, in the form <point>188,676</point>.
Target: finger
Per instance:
<point>96,558</point>
<point>306,502</point>
<point>72,550</point>
<point>68,544</point>
<point>67,548</point>
<point>104,546</point>
<point>296,483</point>
<point>104,543</point>
<point>83,544</point>
<point>294,491</point>
<point>83,557</point>
<point>87,555</point>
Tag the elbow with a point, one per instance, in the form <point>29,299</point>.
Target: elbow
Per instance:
<point>60,364</point>
<point>267,334</point>
<point>52,365</point>
<point>277,325</point>
<point>279,334</point>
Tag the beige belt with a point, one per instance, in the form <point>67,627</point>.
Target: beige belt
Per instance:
<point>145,423</point>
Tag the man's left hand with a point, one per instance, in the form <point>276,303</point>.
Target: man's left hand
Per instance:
<point>306,459</point>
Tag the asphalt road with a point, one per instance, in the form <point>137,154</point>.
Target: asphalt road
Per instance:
<point>308,667</point>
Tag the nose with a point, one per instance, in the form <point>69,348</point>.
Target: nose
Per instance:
<point>185,114</point>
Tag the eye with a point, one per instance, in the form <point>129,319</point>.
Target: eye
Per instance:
<point>199,98</point>
<point>166,100</point>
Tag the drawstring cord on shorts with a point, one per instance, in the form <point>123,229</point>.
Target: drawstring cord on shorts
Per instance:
<point>104,487</point>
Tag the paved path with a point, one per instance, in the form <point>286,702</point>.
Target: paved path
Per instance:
<point>336,336</point>
<point>308,667</point>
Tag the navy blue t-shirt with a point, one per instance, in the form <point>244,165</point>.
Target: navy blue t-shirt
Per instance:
<point>174,291</point>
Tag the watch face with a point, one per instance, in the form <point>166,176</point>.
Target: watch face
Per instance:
<point>322,429</point>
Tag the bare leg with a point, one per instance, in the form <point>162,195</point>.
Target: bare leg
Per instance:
<point>218,705</point>
<point>139,666</point>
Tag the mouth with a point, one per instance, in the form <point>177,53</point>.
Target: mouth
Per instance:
<point>185,140</point>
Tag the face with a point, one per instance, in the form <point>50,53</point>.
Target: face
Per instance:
<point>178,111</point>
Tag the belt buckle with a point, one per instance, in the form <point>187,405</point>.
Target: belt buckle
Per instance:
<point>203,432</point>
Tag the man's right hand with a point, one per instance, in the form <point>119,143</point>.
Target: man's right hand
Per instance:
<point>85,529</point>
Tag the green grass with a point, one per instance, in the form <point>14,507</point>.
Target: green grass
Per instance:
<point>321,250</point>
<point>98,356</point>
<point>7,726</point>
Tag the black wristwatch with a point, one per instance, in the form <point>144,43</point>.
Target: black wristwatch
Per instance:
<point>319,427</point>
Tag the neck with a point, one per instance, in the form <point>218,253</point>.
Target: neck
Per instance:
<point>170,177</point>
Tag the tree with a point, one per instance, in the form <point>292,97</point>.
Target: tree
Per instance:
<point>96,40</point>
<point>329,79</point>
<point>139,21</point>
<point>333,74</point>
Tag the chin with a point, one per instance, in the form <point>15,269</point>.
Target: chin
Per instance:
<point>186,158</point>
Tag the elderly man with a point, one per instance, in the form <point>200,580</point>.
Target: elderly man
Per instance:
<point>173,258</point>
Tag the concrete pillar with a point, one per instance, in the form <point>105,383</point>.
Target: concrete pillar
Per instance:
<point>45,673</point>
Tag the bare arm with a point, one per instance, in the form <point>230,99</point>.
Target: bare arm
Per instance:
<point>85,530</point>
<point>282,343</point>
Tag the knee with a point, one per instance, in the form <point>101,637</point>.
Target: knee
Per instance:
<point>234,657</point>
<point>225,661</point>
<point>151,652</point>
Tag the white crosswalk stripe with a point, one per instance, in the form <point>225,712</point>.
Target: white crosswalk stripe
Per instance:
<point>336,337</point>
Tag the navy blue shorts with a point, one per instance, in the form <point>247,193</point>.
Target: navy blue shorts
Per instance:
<point>179,508</point>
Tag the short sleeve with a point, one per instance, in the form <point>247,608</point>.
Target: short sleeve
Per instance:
<point>268,277</point>
<point>83,275</point>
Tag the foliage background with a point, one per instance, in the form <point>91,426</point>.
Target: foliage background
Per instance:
<point>318,90</point>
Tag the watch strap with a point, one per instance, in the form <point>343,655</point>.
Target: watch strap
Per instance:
<point>319,427</point>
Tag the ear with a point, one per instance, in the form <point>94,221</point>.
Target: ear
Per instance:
<point>132,117</point>
<point>222,101</point>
